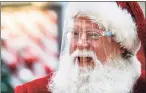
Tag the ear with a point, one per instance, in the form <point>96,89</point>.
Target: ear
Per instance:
<point>129,53</point>
<point>136,47</point>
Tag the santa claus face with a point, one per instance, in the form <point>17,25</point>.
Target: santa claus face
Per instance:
<point>88,35</point>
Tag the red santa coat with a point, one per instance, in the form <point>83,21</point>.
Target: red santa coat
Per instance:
<point>41,86</point>
<point>36,86</point>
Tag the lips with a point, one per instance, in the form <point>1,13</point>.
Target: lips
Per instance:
<point>85,61</point>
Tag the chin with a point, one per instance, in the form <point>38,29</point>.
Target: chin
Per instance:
<point>117,76</point>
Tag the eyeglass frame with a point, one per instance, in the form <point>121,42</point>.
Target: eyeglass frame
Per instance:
<point>102,33</point>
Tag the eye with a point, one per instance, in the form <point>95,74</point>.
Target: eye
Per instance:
<point>75,34</point>
<point>93,35</point>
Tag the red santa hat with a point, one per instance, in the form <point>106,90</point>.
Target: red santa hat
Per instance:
<point>123,19</point>
<point>136,12</point>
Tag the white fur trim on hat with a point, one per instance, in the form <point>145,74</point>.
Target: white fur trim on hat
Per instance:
<point>111,17</point>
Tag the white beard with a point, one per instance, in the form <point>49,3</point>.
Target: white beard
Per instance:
<point>118,76</point>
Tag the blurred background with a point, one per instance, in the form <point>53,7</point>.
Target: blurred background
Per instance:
<point>31,40</point>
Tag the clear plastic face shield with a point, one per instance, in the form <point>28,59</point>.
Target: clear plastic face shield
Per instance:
<point>87,41</point>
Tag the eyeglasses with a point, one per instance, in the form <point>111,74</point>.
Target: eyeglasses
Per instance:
<point>74,36</point>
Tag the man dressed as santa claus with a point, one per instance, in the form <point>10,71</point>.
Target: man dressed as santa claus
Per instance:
<point>98,53</point>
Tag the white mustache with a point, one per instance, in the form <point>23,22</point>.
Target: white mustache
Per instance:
<point>85,53</point>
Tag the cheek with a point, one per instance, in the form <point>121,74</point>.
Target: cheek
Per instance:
<point>96,47</point>
<point>106,49</point>
<point>100,51</point>
<point>72,48</point>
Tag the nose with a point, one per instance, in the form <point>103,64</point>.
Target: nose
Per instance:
<point>82,42</point>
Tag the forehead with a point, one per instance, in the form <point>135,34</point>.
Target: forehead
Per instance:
<point>85,22</point>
